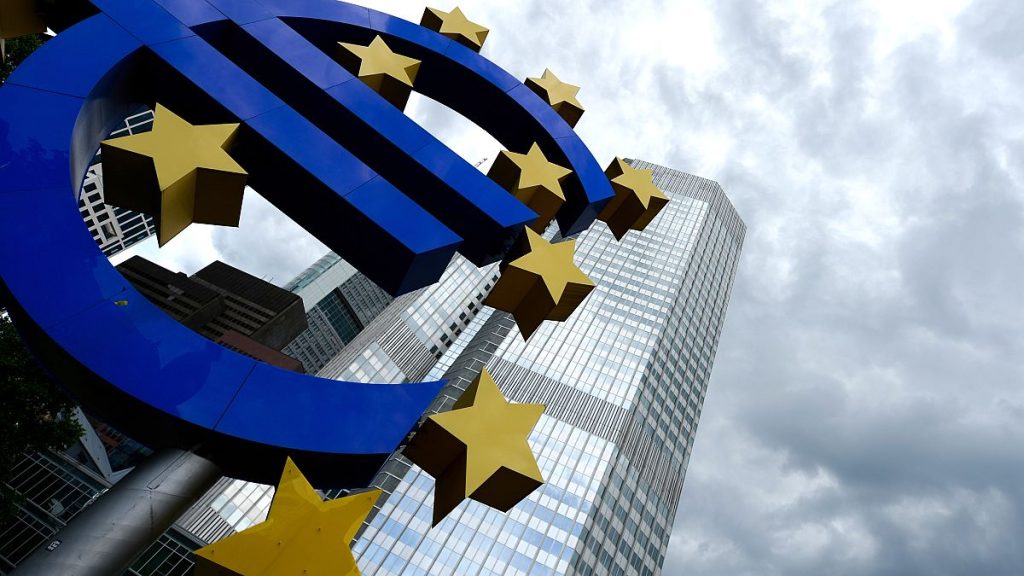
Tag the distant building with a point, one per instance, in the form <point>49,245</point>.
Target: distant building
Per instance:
<point>236,309</point>
<point>401,343</point>
<point>340,301</point>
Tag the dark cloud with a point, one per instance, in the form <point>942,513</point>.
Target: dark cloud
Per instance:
<point>864,414</point>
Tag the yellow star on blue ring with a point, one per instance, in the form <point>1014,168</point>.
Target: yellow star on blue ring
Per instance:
<point>559,95</point>
<point>178,173</point>
<point>456,26</point>
<point>389,73</point>
<point>542,283</point>
<point>479,450</point>
<point>637,200</point>
<point>533,180</point>
<point>301,535</point>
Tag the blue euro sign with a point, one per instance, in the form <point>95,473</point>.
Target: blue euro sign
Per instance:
<point>319,144</point>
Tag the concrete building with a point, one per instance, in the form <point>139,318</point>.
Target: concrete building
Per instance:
<point>236,309</point>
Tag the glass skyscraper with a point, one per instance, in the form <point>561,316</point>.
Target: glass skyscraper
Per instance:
<point>623,381</point>
<point>340,301</point>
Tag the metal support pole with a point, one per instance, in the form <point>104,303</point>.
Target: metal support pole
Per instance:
<point>108,535</point>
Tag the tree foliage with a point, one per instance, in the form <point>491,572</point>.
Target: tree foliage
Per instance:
<point>34,414</point>
<point>17,50</point>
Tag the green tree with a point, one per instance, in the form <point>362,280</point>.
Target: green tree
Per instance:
<point>17,50</point>
<point>34,414</point>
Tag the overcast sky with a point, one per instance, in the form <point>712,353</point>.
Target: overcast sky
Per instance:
<point>865,413</point>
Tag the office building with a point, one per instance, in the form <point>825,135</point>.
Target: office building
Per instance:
<point>623,380</point>
<point>114,229</point>
<point>220,302</point>
<point>340,302</point>
<point>406,340</point>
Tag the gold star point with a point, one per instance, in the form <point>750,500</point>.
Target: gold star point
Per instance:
<point>533,180</point>
<point>390,74</point>
<point>178,173</point>
<point>543,283</point>
<point>637,199</point>
<point>302,534</point>
<point>479,449</point>
<point>559,95</point>
<point>456,26</point>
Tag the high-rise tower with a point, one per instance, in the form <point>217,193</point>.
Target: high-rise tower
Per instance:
<point>340,301</point>
<point>623,381</point>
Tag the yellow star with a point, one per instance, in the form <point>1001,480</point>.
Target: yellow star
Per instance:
<point>637,200</point>
<point>541,284</point>
<point>302,535</point>
<point>456,26</point>
<point>533,181</point>
<point>561,96</point>
<point>178,173</point>
<point>19,18</point>
<point>390,74</point>
<point>479,450</point>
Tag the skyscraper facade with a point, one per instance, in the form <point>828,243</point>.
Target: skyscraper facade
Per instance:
<point>623,380</point>
<point>340,301</point>
<point>406,340</point>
